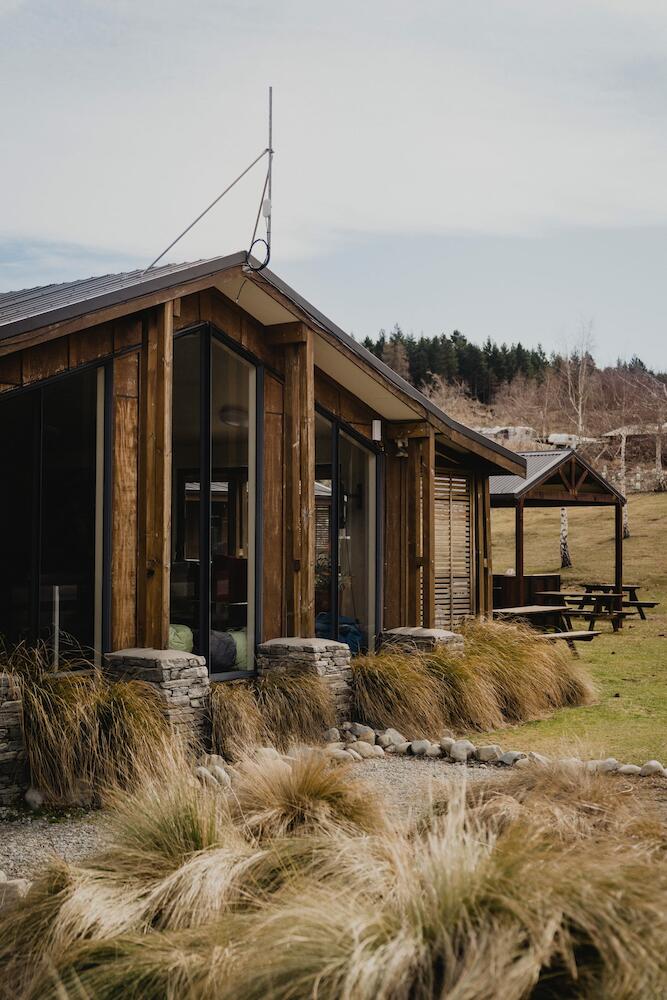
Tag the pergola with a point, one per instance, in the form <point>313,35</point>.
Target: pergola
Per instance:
<point>560,478</point>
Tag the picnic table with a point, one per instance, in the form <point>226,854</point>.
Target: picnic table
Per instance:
<point>548,616</point>
<point>627,588</point>
<point>603,605</point>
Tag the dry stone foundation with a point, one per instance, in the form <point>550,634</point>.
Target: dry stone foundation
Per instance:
<point>180,678</point>
<point>326,657</point>
<point>421,640</point>
<point>13,760</point>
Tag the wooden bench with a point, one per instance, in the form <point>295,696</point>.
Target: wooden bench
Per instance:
<point>615,617</point>
<point>640,605</point>
<point>583,635</point>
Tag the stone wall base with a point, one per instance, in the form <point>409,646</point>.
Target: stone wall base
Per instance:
<point>181,680</point>
<point>13,758</point>
<point>422,640</point>
<point>325,657</point>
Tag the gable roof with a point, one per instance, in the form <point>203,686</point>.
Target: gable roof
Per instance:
<point>540,466</point>
<point>28,310</point>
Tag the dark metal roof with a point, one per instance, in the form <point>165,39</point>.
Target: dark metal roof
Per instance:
<point>32,308</point>
<point>539,466</point>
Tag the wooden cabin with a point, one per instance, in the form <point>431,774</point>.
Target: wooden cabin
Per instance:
<point>195,457</point>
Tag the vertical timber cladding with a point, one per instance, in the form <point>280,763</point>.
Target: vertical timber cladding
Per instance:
<point>454,572</point>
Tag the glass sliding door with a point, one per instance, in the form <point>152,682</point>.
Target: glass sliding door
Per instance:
<point>51,537</point>
<point>345,537</point>
<point>213,503</point>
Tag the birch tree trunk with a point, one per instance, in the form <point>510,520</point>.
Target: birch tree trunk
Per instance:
<point>660,484</point>
<point>622,476</point>
<point>565,558</point>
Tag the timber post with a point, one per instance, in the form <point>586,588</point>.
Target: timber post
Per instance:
<point>155,479</point>
<point>299,478</point>
<point>618,556</point>
<point>518,553</point>
<point>428,530</point>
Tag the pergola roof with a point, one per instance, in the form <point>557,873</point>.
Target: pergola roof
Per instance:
<point>554,478</point>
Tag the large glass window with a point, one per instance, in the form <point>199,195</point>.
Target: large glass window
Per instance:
<point>51,451</point>
<point>213,503</point>
<point>345,538</point>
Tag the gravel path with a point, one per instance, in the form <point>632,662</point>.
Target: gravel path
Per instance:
<point>409,782</point>
<point>26,842</point>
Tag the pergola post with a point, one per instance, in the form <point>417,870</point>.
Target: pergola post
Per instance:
<point>518,551</point>
<point>618,555</point>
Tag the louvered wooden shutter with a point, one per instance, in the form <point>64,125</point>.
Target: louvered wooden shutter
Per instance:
<point>453,549</point>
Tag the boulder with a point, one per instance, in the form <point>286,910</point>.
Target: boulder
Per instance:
<point>332,736</point>
<point>538,758</point>
<point>651,767</point>
<point>602,766</point>
<point>433,751</point>
<point>342,756</point>
<point>522,762</point>
<point>339,745</point>
<point>220,776</point>
<point>344,726</point>
<point>362,732</point>
<point>206,777</point>
<point>446,743</point>
<point>488,754</point>
<point>510,757</point>
<point>461,750</point>
<point>363,748</point>
<point>629,769</point>
<point>419,747</point>
<point>403,748</point>
<point>390,738</point>
<point>377,751</point>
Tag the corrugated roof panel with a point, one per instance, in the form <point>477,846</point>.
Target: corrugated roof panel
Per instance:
<point>537,463</point>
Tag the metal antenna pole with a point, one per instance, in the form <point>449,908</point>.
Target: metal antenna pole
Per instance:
<point>268,221</point>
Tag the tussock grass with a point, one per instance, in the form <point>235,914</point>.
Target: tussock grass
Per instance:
<point>280,708</point>
<point>236,720</point>
<point>276,798</point>
<point>398,690</point>
<point>83,732</point>
<point>266,893</point>
<point>506,674</point>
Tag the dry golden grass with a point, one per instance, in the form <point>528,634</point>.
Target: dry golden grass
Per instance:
<point>279,708</point>
<point>276,798</point>
<point>395,689</point>
<point>236,720</point>
<point>467,907</point>
<point>83,732</point>
<point>506,674</point>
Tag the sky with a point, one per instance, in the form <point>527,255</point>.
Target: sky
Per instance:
<point>496,167</point>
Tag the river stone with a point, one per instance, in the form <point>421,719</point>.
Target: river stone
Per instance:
<point>539,758</point>
<point>341,755</point>
<point>353,754</point>
<point>461,750</point>
<point>419,747</point>
<point>377,751</point>
<point>332,736</point>
<point>362,732</point>
<point>651,767</point>
<point>389,738</point>
<point>12,890</point>
<point>434,751</point>
<point>206,777</point>
<point>510,757</point>
<point>220,776</point>
<point>488,754</point>
<point>629,769</point>
<point>363,748</point>
<point>403,748</point>
<point>446,743</point>
<point>339,745</point>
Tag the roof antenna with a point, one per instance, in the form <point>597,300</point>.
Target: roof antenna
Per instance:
<point>264,208</point>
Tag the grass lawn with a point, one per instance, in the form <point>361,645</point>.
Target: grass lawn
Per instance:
<point>629,720</point>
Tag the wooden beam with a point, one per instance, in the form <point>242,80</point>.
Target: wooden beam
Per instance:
<point>300,486</point>
<point>286,333</point>
<point>428,530</point>
<point>155,479</point>
<point>518,550</point>
<point>404,432</point>
<point>488,548</point>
